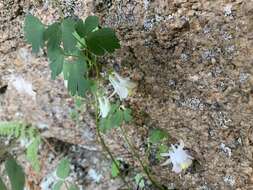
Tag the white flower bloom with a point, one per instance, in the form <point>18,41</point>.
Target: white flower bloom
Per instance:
<point>104,106</point>
<point>122,86</point>
<point>178,157</point>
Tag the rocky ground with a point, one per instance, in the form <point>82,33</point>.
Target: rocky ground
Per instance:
<point>193,62</point>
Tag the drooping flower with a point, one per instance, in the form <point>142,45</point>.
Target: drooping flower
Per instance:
<point>104,106</point>
<point>122,86</point>
<point>179,158</point>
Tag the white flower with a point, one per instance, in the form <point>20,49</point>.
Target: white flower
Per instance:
<point>104,106</point>
<point>122,86</point>
<point>178,157</point>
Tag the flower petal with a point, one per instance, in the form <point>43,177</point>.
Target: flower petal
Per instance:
<point>167,162</point>
<point>104,106</point>
<point>176,168</point>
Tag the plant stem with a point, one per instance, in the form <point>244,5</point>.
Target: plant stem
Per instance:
<point>144,167</point>
<point>106,148</point>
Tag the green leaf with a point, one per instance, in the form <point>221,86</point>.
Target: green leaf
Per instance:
<point>139,180</point>
<point>161,149</point>
<point>73,187</point>
<point>53,36</point>
<point>105,124</point>
<point>127,115</point>
<point>63,169</point>
<point>114,170</point>
<point>90,24</point>
<point>101,41</point>
<point>68,28</point>
<point>81,44</point>
<point>32,153</point>
<point>2,185</point>
<point>58,185</point>
<point>16,174</point>
<point>117,118</point>
<point>157,135</point>
<point>34,32</point>
<point>74,72</point>
<point>56,58</point>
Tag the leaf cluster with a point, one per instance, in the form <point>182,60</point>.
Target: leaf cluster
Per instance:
<point>72,46</point>
<point>21,131</point>
<point>115,118</point>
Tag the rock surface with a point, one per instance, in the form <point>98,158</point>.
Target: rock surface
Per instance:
<point>193,61</point>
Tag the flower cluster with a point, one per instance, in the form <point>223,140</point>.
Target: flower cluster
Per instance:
<point>122,86</point>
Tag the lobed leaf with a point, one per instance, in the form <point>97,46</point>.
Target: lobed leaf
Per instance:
<point>56,58</point>
<point>34,32</point>
<point>90,24</point>
<point>53,36</point>
<point>74,72</point>
<point>68,28</point>
<point>101,41</point>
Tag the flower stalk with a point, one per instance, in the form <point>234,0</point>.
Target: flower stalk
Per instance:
<point>143,165</point>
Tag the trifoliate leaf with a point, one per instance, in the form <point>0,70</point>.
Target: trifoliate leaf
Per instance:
<point>157,135</point>
<point>58,185</point>
<point>63,169</point>
<point>34,32</point>
<point>68,28</point>
<point>2,185</point>
<point>53,36</point>
<point>16,174</point>
<point>74,72</point>
<point>101,41</point>
<point>56,58</point>
<point>90,24</point>
<point>114,169</point>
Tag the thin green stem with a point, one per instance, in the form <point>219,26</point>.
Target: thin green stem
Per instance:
<point>144,167</point>
<point>106,148</point>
